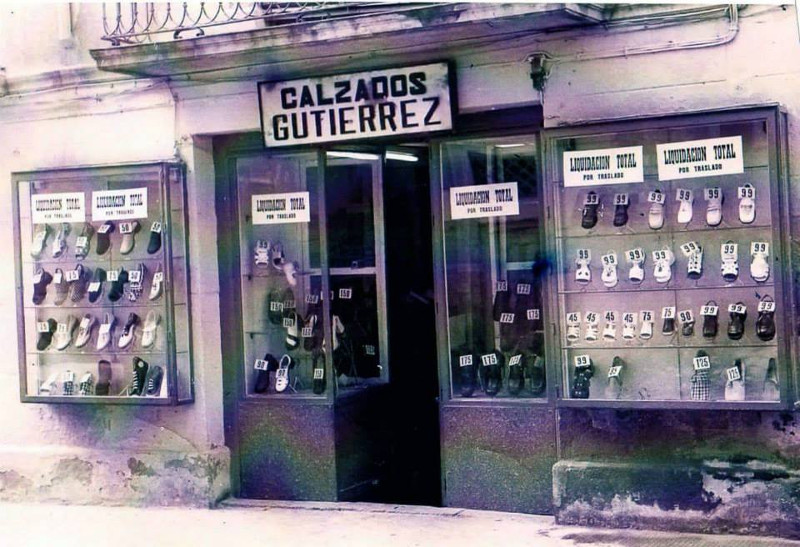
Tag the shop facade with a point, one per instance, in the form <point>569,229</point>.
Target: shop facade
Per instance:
<point>534,258</point>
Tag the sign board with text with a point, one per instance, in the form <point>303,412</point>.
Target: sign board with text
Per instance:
<point>484,200</point>
<point>607,166</point>
<point>703,158</point>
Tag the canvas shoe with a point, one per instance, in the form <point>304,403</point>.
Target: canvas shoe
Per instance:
<point>154,244</point>
<point>46,336</point>
<point>83,242</point>
<point>60,242</point>
<point>262,253</point>
<point>136,282</point>
<point>106,331</point>
<point>663,268</point>
<point>747,208</point>
<point>759,266</point>
<point>64,332</point>
<point>685,211</point>
<point>68,383</point>
<point>79,286</point>
<point>85,330</point>
<point>153,380</point>
<point>128,331</point>
<point>62,287</point>
<point>41,279</point>
<point>157,283</point>
<point>86,384</point>
<point>734,389</point>
<point>96,285</point>
<point>48,387</point>
<point>128,230</point>
<point>150,328</point>
<point>714,209</point>
<point>282,375</point>
<point>655,216</point>
<point>104,237</point>
<point>40,240</point>
<point>138,376</point>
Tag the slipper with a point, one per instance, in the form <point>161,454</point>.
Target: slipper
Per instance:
<point>772,390</point>
<point>738,314</point>
<point>282,375</point>
<point>655,216</point>
<point>128,331</point>
<point>646,332</point>
<point>537,380</point>
<point>86,384</point>
<point>136,282</point>
<point>263,367</point>
<point>104,237</point>
<point>276,256</point>
<point>747,203</point>
<point>609,275</point>
<point>610,330</point>
<point>311,333</point>
<point>118,279</point>
<point>96,286</point>
<point>589,214</point>
<point>466,373</point>
<point>292,340</point>
<point>491,370</point>
<point>62,287</point>
<point>68,383</point>
<point>502,300</point>
<point>636,258</point>
<point>154,245</point>
<point>80,278</point>
<point>685,210</point>
<point>152,382</point>
<point>157,285</point>
<point>628,326</point>
<point>765,324</point>
<point>516,374</point>
<point>106,331</point>
<point>714,199</point>
<point>48,387</point>
<point>581,380</point>
<point>151,322</point>
<point>573,326</point>
<point>138,376</point>
<point>663,260</point>
<point>583,274</point>
<point>687,323</point>
<point>85,330</point>
<point>41,279</point>
<point>729,252</point>
<point>592,328</point>
<point>668,315</point>
<point>621,203</point>
<point>318,368</point>
<point>60,242</point>
<point>103,378</point>
<point>759,266</point>
<point>734,387</point>
<point>614,385</point>
<point>64,332</point>
<point>40,240</point>
<point>128,231</point>
<point>46,330</point>
<point>262,253</point>
<point>710,323</point>
<point>83,242</point>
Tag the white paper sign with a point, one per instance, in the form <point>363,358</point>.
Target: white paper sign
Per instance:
<point>67,207</point>
<point>281,208</point>
<point>606,166</point>
<point>484,200</point>
<point>703,158</point>
<point>119,204</point>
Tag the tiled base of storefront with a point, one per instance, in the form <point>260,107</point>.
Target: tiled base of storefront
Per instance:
<point>713,496</point>
<point>123,477</point>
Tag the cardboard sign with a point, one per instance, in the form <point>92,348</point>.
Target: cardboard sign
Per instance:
<point>66,207</point>
<point>484,200</point>
<point>606,166</point>
<point>281,208</point>
<point>119,204</point>
<point>379,103</point>
<point>702,158</point>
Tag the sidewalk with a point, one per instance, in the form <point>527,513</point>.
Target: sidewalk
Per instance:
<point>275,524</point>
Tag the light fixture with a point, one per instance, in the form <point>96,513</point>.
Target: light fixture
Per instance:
<point>401,156</point>
<point>514,145</point>
<point>353,155</point>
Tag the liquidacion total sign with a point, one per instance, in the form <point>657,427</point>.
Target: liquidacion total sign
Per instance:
<point>352,106</point>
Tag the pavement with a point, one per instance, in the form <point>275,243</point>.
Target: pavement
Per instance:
<point>240,523</point>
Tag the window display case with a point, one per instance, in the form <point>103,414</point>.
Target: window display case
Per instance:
<point>102,285</point>
<point>671,238</point>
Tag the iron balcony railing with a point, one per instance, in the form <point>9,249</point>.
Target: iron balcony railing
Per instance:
<point>139,22</point>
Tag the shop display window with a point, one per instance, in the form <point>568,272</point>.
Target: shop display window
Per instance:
<point>103,308</point>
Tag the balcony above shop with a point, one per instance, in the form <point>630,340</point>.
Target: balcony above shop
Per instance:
<point>281,39</point>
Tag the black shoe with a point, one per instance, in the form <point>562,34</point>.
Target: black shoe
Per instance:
<point>318,367</point>
<point>46,337</point>
<point>589,215</point>
<point>96,285</point>
<point>139,375</point>
<point>765,324</point>
<point>40,286</point>
<point>104,237</point>
<point>275,307</point>
<point>154,245</point>
<point>736,325</point>
<point>153,380</point>
<point>492,372</point>
<point>516,374</point>
<point>502,301</point>
<point>710,323</point>
<point>669,326</point>
<point>262,376</point>
<point>621,215</point>
<point>687,328</point>
<point>582,382</point>
<point>118,286</point>
<point>103,378</point>
<point>537,381</point>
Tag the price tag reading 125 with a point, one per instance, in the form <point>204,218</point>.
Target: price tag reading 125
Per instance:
<point>582,361</point>
<point>614,371</point>
<point>656,197</point>
<point>702,363</point>
<point>733,374</point>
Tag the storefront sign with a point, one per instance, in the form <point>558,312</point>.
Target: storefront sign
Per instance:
<point>484,200</point>
<point>355,106</point>
<point>119,204</point>
<point>703,158</point>
<point>68,207</point>
<point>281,208</point>
<point>607,166</point>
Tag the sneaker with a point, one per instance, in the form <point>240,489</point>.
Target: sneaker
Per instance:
<point>60,242</point>
<point>96,285</point>
<point>104,237</point>
<point>714,200</point>
<point>62,287</point>
<point>129,331</point>
<point>150,329</point>
<point>41,279</point>
<point>86,385</point>
<point>157,284</point>
<point>64,332</point>
<point>85,330</point>
<point>153,380</point>
<point>138,376</point>
<point>154,244</point>
<point>128,230</point>
<point>106,331</point>
<point>68,383</point>
<point>80,284</point>
<point>46,330</point>
<point>282,375</point>
<point>747,204</point>
<point>40,240</point>
<point>685,210</point>
<point>83,242</point>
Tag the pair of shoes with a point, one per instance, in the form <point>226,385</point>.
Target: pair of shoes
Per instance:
<point>281,368</point>
<point>128,229</point>
<point>271,254</point>
<point>146,379</point>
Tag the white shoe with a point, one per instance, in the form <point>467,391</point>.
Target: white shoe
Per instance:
<point>759,266</point>
<point>610,331</point>
<point>663,267</point>
<point>150,328</point>
<point>583,274</point>
<point>685,210</point>
<point>85,330</point>
<point>157,286</point>
<point>655,217</point>
<point>573,327</point>
<point>64,330</point>
<point>128,331</point>
<point>629,331</point>
<point>609,275</point>
<point>282,375</point>
<point>747,204</point>
<point>694,267</point>
<point>592,331</point>
<point>715,199</point>
<point>105,332</point>
<point>646,332</point>
<point>730,262</point>
<point>262,252</point>
<point>49,385</point>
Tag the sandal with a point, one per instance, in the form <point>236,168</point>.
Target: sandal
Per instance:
<point>609,275</point>
<point>730,261</point>
<point>759,266</point>
<point>282,375</point>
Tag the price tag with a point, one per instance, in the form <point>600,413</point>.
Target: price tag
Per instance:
<point>72,275</point>
<point>647,316</point>
<point>113,275</point>
<point>369,349</point>
<point>515,361</point>
<point>85,323</point>
<point>686,316</point>
<point>156,227</point>
<point>759,247</point>
<point>42,326</point>
<point>506,317</point>
<point>105,328</point>
<point>584,254</point>
<point>523,288</point>
<point>582,361</point>
<point>591,318</point>
<point>61,328</point>
<point>319,373</point>
<point>737,308</point>
<point>306,332</point>
<point>288,322</point>
<point>135,276</point>
<point>489,359</point>
<point>766,306</point>
<point>609,259</point>
<point>126,228</point>
<point>747,192</point>
<point>69,376</point>
<point>610,316</point>
<point>620,199</point>
<point>104,229</point>
<point>37,277</point>
<point>701,363</point>
<point>668,312</point>
<point>312,299</point>
<point>614,371</point>
<point>688,249</point>
<point>465,361</point>
<point>573,318</point>
<point>709,310</point>
<point>533,314</point>
<point>656,197</point>
<point>288,305</point>
<point>713,193</point>
<point>346,294</point>
<point>260,364</point>
<point>502,286</point>
<point>591,199</point>
<point>158,277</point>
<point>82,241</point>
<point>629,318</point>
<point>733,374</point>
<point>635,255</point>
<point>94,286</point>
<point>57,277</point>
<point>276,306</point>
<point>282,373</point>
<point>729,251</point>
<point>659,255</point>
<point>682,194</point>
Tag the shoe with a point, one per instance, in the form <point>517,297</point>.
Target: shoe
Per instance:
<point>747,204</point>
<point>261,255</point>
<point>582,381</point>
<point>311,333</point>
<point>263,368</point>
<point>628,326</point>
<point>694,266</point>
<point>96,286</point>
<point>85,330</point>
<point>83,242</point>
<point>508,332</point>
<point>516,374</point>
<point>655,216</point>
<point>150,328</point>
<point>128,331</point>
<point>646,332</point>
<point>81,279</point>
<point>668,327</point>
<point>685,210</point>
<point>636,258</point>
<point>62,287</point>
<point>106,331</point>
<point>104,375</point>
<point>46,330</point>
<point>610,330</point>
<point>276,256</point>
<point>620,210</point>
<point>491,370</point>
<point>502,300</point>
<point>710,323</point>
<point>318,368</point>
<point>729,252</point>
<point>64,332</point>
<point>291,323</point>
<point>104,237</point>
<point>41,279</point>
<point>772,390</point>
<point>738,313</point>
<point>128,230</point>
<point>714,201</point>
<point>664,260</point>
<point>48,387</point>
<point>60,242</point>
<point>614,385</point>
<point>157,285</point>
<point>759,265</point>
<point>118,279</point>
<point>275,307</point>
<point>86,384</point>
<point>40,240</point>
<point>68,383</point>
<point>138,376</point>
<point>573,327</point>
<point>466,374</point>
<point>734,387</point>
<point>592,329</point>
<point>687,326</point>
<point>589,214</point>
<point>291,271</point>
<point>583,275</point>
<point>537,380</point>
<point>765,324</point>
<point>282,375</point>
<point>609,275</point>
<point>152,382</point>
<point>154,245</point>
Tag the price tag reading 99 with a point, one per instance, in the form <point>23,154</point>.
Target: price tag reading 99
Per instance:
<point>635,255</point>
<point>689,248</point>
<point>747,192</point>
<point>737,308</point>
<point>713,193</point>
<point>766,306</point>
<point>465,361</point>
<point>659,255</point>
<point>759,247</point>
<point>584,254</point>
<point>591,199</point>
<point>582,361</point>
<point>709,310</point>
<point>609,259</point>
<point>620,199</point>
<point>729,251</point>
<point>656,197</point>
<point>683,194</point>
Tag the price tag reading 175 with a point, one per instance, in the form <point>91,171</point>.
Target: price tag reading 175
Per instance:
<point>523,288</point>
<point>507,318</point>
<point>465,361</point>
<point>489,359</point>
<point>702,363</point>
<point>319,373</point>
<point>582,361</point>
<point>533,314</point>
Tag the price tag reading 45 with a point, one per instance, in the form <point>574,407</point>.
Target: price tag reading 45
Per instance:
<point>611,316</point>
<point>591,317</point>
<point>702,363</point>
<point>737,308</point>
<point>635,255</point>
<point>620,199</point>
<point>629,318</point>
<point>656,197</point>
<point>766,306</point>
<point>729,251</point>
<point>573,318</point>
<point>683,194</point>
<point>582,361</point>
<point>609,259</point>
